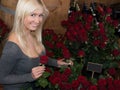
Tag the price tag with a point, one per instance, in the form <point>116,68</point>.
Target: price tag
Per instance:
<point>94,67</point>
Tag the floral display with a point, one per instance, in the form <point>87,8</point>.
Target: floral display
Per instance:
<point>89,37</point>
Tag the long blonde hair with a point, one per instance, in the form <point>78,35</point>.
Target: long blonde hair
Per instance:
<point>23,8</point>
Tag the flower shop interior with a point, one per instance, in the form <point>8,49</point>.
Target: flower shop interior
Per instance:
<point>85,31</point>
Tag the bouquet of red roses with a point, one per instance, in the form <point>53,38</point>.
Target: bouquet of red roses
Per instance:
<point>42,81</point>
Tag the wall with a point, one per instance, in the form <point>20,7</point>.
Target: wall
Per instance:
<point>58,11</point>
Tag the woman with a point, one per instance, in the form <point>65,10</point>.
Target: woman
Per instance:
<point>19,63</point>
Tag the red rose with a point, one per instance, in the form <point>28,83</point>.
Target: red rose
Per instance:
<point>100,10</point>
<point>93,87</point>
<point>75,84</point>
<point>116,84</point>
<point>55,80</point>
<point>110,81</point>
<point>109,19</point>
<point>111,87</point>
<point>102,83</point>
<point>112,71</point>
<point>49,44</point>
<point>66,53</point>
<point>115,23</point>
<point>109,10</point>
<point>60,45</point>
<point>64,78</point>
<point>65,23</point>
<point>68,72</point>
<point>83,35</point>
<point>65,86</point>
<point>81,53</point>
<point>115,52</point>
<point>96,42</point>
<point>43,59</point>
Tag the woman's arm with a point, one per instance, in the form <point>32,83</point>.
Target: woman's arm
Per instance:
<point>9,58</point>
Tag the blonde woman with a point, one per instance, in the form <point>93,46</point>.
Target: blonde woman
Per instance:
<point>19,62</point>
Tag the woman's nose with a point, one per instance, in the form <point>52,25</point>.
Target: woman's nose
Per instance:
<point>37,20</point>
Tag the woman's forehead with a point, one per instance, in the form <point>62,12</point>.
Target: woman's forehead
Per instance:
<point>40,10</point>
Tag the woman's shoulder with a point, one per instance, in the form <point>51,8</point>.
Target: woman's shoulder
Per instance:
<point>13,38</point>
<point>12,41</point>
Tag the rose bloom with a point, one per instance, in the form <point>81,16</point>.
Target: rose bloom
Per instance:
<point>55,80</point>
<point>109,81</point>
<point>65,86</point>
<point>102,45</point>
<point>95,33</point>
<point>109,10</point>
<point>66,53</point>
<point>64,78</point>
<point>115,23</point>
<point>102,83</point>
<point>83,81</point>
<point>49,53</point>
<point>68,72</point>
<point>112,71</point>
<point>100,10</point>
<point>82,78</point>
<point>60,45</point>
<point>75,84</point>
<point>108,19</point>
<point>43,59</point>
<point>83,35</point>
<point>81,53</point>
<point>96,42</point>
<point>115,52</point>
<point>93,87</point>
<point>49,44</point>
<point>55,37</point>
<point>116,84</point>
<point>111,87</point>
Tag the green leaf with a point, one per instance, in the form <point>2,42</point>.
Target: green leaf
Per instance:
<point>46,74</point>
<point>42,82</point>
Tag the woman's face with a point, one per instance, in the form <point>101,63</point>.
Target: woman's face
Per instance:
<point>33,20</point>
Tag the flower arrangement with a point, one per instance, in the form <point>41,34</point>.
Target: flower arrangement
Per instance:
<point>42,81</point>
<point>89,37</point>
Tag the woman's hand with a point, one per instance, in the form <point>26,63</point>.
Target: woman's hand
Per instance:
<point>61,62</point>
<point>38,71</point>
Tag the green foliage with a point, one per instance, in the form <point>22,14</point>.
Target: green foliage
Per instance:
<point>42,81</point>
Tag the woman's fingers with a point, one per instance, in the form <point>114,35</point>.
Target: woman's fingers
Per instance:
<point>38,71</point>
<point>62,62</point>
<point>70,62</point>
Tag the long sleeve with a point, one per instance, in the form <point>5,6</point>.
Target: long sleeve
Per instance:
<point>52,62</point>
<point>10,58</point>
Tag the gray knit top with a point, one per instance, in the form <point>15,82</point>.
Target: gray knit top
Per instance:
<point>15,67</point>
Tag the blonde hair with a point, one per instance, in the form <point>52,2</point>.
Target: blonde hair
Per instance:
<point>23,8</point>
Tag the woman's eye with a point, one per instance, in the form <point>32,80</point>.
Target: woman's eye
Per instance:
<point>41,15</point>
<point>32,14</point>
